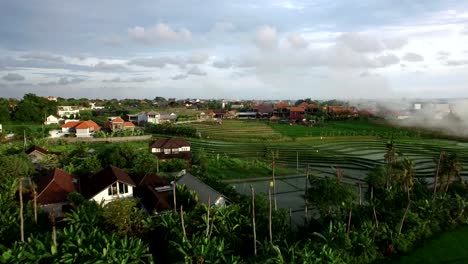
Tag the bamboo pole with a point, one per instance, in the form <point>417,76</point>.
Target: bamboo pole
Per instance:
<point>436,177</point>
<point>306,203</point>
<point>360,193</point>
<point>269,217</point>
<point>182,221</point>
<point>21,209</point>
<point>35,206</point>
<point>403,218</point>
<point>174,196</point>
<point>349,220</point>
<point>253,219</point>
<point>274,180</point>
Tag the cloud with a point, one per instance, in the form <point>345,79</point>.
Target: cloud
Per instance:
<point>111,40</point>
<point>442,55</point>
<point>179,77</point>
<point>196,71</point>
<point>297,41</point>
<point>464,31</point>
<point>159,33</point>
<point>13,77</point>
<point>266,38</point>
<point>113,80</point>
<point>412,57</point>
<point>63,81</point>
<point>109,66</point>
<point>158,62</point>
<point>223,27</point>
<point>386,60</point>
<point>223,64</point>
<point>43,57</point>
<point>140,79</point>
<point>457,62</point>
<point>364,43</point>
<point>198,58</point>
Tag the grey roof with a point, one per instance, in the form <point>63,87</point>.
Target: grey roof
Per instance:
<point>203,191</point>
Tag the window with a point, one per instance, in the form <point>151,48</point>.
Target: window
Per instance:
<point>175,150</point>
<point>123,188</point>
<point>167,151</point>
<point>112,190</point>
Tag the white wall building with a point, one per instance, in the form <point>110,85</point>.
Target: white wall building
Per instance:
<point>51,120</point>
<point>67,111</point>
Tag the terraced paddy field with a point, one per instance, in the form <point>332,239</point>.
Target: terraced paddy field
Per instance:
<point>355,156</point>
<point>236,130</point>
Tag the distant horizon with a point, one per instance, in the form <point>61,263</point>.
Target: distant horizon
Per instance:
<point>241,49</point>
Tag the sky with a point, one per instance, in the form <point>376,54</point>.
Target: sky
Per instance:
<point>234,49</point>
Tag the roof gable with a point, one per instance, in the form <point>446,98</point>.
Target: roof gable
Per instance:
<point>170,143</point>
<point>93,185</point>
<point>55,187</point>
<point>206,194</point>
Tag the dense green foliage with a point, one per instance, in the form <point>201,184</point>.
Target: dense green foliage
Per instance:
<point>170,129</point>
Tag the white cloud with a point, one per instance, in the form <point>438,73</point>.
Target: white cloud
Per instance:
<point>198,58</point>
<point>442,55</point>
<point>111,40</point>
<point>360,42</point>
<point>223,64</point>
<point>266,37</point>
<point>63,81</point>
<point>457,62</point>
<point>43,57</point>
<point>140,79</point>
<point>102,65</point>
<point>179,77</point>
<point>196,71</point>
<point>13,77</point>
<point>412,57</point>
<point>297,41</point>
<point>116,79</point>
<point>159,33</point>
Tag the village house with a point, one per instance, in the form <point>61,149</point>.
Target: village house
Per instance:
<point>118,124</point>
<point>52,98</point>
<point>107,185</point>
<point>167,118</point>
<point>53,190</point>
<point>80,128</point>
<point>67,111</point>
<point>149,117</point>
<point>51,120</point>
<point>153,191</point>
<point>169,148</point>
<point>264,111</point>
<point>206,194</point>
<point>281,110</point>
<point>36,154</point>
<point>296,113</point>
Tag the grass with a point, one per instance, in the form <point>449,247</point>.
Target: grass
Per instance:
<point>236,130</point>
<point>237,168</point>
<point>450,247</point>
<point>341,128</point>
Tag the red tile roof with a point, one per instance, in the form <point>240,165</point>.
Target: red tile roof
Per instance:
<point>128,124</point>
<point>117,120</point>
<point>55,187</point>
<point>88,124</point>
<point>38,149</point>
<point>297,109</point>
<point>71,124</point>
<point>282,105</point>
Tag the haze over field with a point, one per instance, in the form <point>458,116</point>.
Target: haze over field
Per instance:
<point>234,49</point>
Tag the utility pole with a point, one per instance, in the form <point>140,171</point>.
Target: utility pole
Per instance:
<point>253,220</point>
<point>297,161</point>
<point>273,165</point>
<point>306,205</point>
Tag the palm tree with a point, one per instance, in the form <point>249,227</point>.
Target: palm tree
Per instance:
<point>406,168</point>
<point>450,169</point>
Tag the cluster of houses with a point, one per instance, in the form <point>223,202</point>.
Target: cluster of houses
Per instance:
<point>278,111</point>
<point>111,183</point>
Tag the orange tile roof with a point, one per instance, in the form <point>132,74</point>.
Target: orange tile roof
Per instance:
<point>117,120</point>
<point>282,105</point>
<point>88,124</point>
<point>70,124</point>
<point>128,124</point>
<point>297,109</point>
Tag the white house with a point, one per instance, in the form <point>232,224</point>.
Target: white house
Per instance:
<point>67,111</point>
<point>80,128</point>
<point>149,117</point>
<point>51,120</point>
<point>109,184</point>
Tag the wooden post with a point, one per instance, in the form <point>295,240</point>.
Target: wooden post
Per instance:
<point>54,234</point>
<point>349,220</point>
<point>360,193</point>
<point>306,205</point>
<point>35,205</point>
<point>182,221</point>
<point>174,196</point>
<point>253,219</point>
<point>290,217</point>
<point>269,217</point>
<point>274,180</point>
<point>157,165</point>
<point>297,161</point>
<point>21,209</point>
<point>436,178</point>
